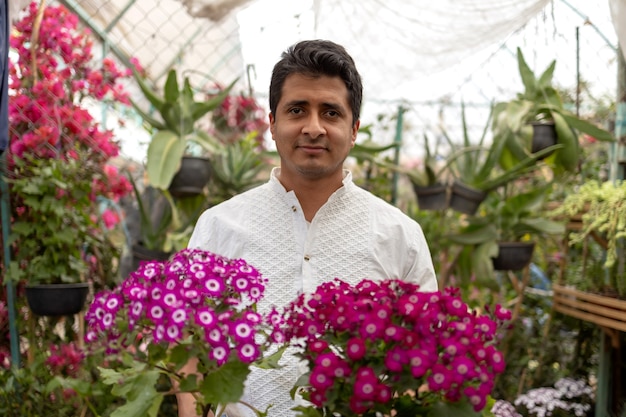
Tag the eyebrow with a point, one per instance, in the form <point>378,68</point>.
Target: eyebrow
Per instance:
<point>325,105</point>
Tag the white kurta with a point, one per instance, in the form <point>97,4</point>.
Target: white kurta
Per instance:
<point>355,235</point>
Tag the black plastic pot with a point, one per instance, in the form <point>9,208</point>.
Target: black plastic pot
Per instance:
<point>465,199</point>
<point>57,299</point>
<point>513,256</point>
<point>194,174</point>
<point>433,197</point>
<point>544,136</point>
<point>142,254</point>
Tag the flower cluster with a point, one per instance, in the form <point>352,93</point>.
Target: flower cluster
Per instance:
<point>53,82</point>
<point>568,397</point>
<point>65,359</point>
<point>383,346</point>
<point>195,292</point>
<point>237,116</point>
<point>196,305</point>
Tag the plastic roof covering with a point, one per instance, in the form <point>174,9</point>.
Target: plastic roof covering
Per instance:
<point>418,50</point>
<point>392,39</point>
<point>167,34</point>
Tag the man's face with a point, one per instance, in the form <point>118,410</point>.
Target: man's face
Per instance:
<point>313,127</point>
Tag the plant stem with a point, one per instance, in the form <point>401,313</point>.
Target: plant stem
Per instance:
<point>34,39</point>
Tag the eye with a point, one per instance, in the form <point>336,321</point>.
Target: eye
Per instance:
<point>296,110</point>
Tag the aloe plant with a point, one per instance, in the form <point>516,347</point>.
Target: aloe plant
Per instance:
<point>479,164</point>
<point>540,101</point>
<point>175,130</point>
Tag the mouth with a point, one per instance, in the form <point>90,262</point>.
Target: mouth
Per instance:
<point>311,149</point>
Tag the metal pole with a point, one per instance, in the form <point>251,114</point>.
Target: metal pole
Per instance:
<point>398,141</point>
<point>10,288</point>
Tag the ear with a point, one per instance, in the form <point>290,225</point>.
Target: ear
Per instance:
<point>272,124</point>
<point>355,131</point>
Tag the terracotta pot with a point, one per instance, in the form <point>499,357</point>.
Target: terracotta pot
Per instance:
<point>513,256</point>
<point>194,174</point>
<point>57,299</point>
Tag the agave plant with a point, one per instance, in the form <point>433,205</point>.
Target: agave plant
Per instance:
<point>176,130</point>
<point>540,101</point>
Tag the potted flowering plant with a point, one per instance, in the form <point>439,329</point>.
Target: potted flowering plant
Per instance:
<point>384,348</point>
<point>194,305</point>
<point>58,162</point>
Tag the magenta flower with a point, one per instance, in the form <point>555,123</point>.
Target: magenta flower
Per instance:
<point>395,359</point>
<point>248,352</point>
<point>320,380</point>
<point>193,305</point>
<point>355,348</point>
<point>365,386</point>
<point>368,345</point>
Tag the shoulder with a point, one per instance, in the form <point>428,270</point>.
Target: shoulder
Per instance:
<point>382,211</point>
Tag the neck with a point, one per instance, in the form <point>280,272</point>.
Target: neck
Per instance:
<point>312,193</point>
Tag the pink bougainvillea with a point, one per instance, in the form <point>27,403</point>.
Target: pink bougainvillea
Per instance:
<point>54,81</point>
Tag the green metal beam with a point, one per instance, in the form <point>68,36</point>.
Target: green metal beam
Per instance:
<point>97,30</point>
<point>119,16</point>
<point>10,288</point>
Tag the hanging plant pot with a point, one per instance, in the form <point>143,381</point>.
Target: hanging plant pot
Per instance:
<point>465,199</point>
<point>433,197</point>
<point>194,174</point>
<point>544,136</point>
<point>142,254</point>
<point>513,256</point>
<point>57,299</point>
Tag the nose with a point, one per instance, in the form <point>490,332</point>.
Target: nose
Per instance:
<point>313,126</point>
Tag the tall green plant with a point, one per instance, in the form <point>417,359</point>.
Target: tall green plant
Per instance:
<point>540,101</point>
<point>479,164</point>
<point>177,130</point>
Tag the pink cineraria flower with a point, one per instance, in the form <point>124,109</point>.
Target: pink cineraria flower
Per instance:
<point>389,339</point>
<point>193,305</point>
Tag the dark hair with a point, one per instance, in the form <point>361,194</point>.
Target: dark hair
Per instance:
<point>316,58</point>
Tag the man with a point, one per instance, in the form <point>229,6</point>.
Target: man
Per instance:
<point>310,223</point>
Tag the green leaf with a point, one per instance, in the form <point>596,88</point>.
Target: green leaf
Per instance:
<point>199,109</point>
<point>457,409</point>
<point>271,361</point>
<point>171,87</point>
<point>148,118</point>
<point>138,386</point>
<point>568,156</point>
<point>528,77</point>
<point>226,384</point>
<point>179,355</point>
<point>147,404</point>
<point>164,156</point>
<point>475,235</point>
<point>545,80</point>
<point>588,128</point>
<point>483,263</point>
<point>150,94</point>
<point>189,383</point>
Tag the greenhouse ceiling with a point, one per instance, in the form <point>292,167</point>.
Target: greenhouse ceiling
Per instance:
<point>399,45</point>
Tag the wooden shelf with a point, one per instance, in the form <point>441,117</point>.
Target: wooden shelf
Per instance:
<point>604,311</point>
